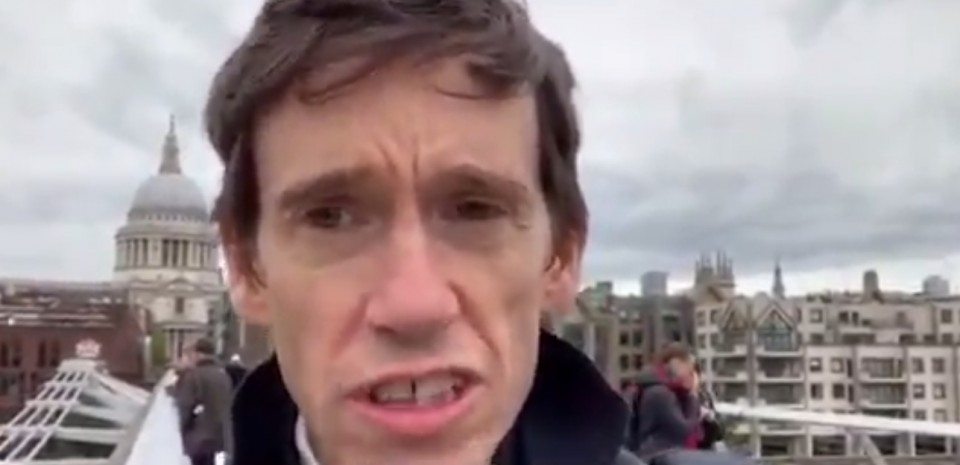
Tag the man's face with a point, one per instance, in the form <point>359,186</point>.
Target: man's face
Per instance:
<point>406,255</point>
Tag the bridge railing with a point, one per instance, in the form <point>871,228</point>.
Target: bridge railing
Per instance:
<point>861,433</point>
<point>154,437</point>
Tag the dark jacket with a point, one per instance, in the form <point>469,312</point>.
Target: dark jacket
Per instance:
<point>571,417</point>
<point>203,394</point>
<point>236,372</point>
<point>664,415</point>
<point>713,428</point>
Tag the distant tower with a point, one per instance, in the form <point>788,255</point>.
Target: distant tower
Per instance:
<point>779,291</point>
<point>724,268</point>
<point>703,271</point>
<point>871,285</point>
<point>170,161</point>
<point>936,286</point>
<point>654,283</point>
<point>726,280</point>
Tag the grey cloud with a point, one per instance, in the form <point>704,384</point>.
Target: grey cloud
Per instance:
<point>658,195</point>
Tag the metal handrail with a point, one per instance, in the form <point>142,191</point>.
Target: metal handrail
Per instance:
<point>125,448</point>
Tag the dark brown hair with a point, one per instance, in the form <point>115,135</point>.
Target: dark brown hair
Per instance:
<point>204,346</point>
<point>345,41</point>
<point>673,351</point>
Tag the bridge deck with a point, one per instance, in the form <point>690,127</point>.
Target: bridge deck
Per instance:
<point>82,416</point>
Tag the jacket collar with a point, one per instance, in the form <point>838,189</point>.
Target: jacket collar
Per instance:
<point>571,417</point>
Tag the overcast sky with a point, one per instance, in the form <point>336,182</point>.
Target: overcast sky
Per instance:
<point>826,132</point>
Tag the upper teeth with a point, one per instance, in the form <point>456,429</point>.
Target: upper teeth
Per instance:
<point>420,390</point>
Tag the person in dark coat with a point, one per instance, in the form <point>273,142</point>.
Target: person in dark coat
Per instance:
<point>666,412</point>
<point>236,371</point>
<point>203,394</point>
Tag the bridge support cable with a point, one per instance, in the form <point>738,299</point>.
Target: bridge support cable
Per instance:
<point>77,416</point>
<point>871,449</point>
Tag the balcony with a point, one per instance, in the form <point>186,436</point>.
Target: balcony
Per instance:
<point>731,350</point>
<point>780,376</point>
<point>884,403</point>
<point>887,377</point>
<point>731,377</point>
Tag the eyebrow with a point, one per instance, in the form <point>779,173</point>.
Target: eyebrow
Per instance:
<point>332,183</point>
<point>468,177</point>
<point>471,177</point>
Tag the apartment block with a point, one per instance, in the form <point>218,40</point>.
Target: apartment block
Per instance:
<point>868,352</point>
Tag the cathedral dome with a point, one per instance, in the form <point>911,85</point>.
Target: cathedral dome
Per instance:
<point>169,193</point>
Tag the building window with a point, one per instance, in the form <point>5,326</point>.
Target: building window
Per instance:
<point>946,315</point>
<point>816,365</point>
<point>701,318</point>
<point>816,315</point>
<point>624,338</point>
<point>54,355</point>
<point>920,414</point>
<point>179,305</point>
<point>916,365</point>
<point>42,355</point>
<point>939,365</point>
<point>940,415</point>
<point>836,365</point>
<point>16,354</point>
<point>947,338</point>
<point>702,341</point>
<point>776,335</point>
<point>816,391</point>
<point>624,362</point>
<point>839,391</point>
<point>714,315</point>
<point>939,391</point>
<point>919,391</point>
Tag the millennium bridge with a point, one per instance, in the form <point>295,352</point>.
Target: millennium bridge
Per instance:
<point>84,416</point>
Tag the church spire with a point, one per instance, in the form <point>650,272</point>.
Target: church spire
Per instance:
<point>779,291</point>
<point>170,163</point>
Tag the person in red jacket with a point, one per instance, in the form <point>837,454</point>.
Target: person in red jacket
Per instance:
<point>666,411</point>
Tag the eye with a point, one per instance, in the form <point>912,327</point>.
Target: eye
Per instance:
<point>328,217</point>
<point>475,210</point>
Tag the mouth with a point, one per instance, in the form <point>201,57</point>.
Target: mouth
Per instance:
<point>417,405</point>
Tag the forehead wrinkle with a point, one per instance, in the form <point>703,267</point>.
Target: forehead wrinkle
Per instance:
<point>403,127</point>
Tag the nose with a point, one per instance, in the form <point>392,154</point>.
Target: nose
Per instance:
<point>413,304</point>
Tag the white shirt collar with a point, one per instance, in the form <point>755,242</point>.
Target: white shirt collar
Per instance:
<point>303,445</point>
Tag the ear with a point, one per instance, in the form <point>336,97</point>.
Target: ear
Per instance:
<point>563,276</point>
<point>246,292</point>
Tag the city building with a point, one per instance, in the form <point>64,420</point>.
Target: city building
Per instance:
<point>630,329</point>
<point>869,352</point>
<point>39,328</point>
<point>592,329</point>
<point>654,283</point>
<point>936,286</point>
<point>166,263</point>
